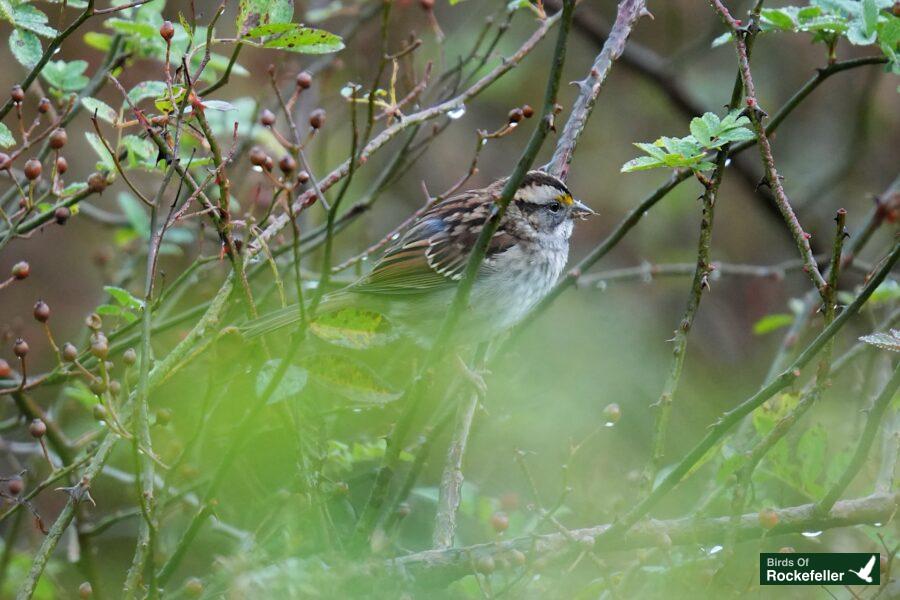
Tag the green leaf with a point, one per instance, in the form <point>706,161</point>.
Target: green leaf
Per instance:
<point>79,391</point>
<point>889,32</point>
<point>771,323</point>
<point>651,149</point>
<point>6,137</point>
<point>353,328</point>
<point>869,16</point>
<point>885,341</point>
<point>167,104</point>
<point>290,386</point>
<point>103,110</point>
<point>186,26</point>
<point>98,41</point>
<point>134,213</point>
<point>26,47</point>
<point>857,35</point>
<point>141,152</point>
<point>721,40</point>
<point>106,160</point>
<point>66,76</point>
<point>701,130</point>
<point>779,18</point>
<point>253,13</point>
<point>349,378</point>
<point>30,18</point>
<point>142,30</point>
<point>297,38</point>
<point>886,291</point>
<point>766,416</point>
<point>736,135</point>
<point>124,297</point>
<point>642,163</point>
<point>146,89</point>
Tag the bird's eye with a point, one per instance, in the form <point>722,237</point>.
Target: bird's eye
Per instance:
<point>554,207</point>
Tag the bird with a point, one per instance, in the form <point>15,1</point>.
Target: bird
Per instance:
<point>415,280</point>
<point>866,572</point>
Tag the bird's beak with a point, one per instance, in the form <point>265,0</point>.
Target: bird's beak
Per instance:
<point>580,210</point>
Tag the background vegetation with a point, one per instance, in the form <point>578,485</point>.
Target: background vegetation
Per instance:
<point>162,453</point>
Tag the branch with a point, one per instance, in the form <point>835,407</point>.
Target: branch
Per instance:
<point>413,395</point>
<point>677,177</point>
<point>629,12</point>
<point>648,271</point>
<point>731,418</point>
<point>741,37</point>
<point>450,564</point>
<point>459,101</point>
<point>873,421</point>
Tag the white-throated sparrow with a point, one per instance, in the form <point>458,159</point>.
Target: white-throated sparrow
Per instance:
<point>414,282</point>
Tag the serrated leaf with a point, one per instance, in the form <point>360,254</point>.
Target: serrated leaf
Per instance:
<point>701,131</point>
<point>146,89</point>
<point>297,38</point>
<point>350,378</point>
<point>25,16</point>
<point>353,328</point>
<point>66,76</point>
<point>253,13</point>
<point>106,160</point>
<point>26,47</point>
<point>651,149</point>
<point>885,341</point>
<point>291,384</point>
<point>140,151</point>
<point>779,18</point>
<point>739,134</point>
<point>771,323</point>
<point>103,110</point>
<point>134,213</point>
<point>6,137</point>
<point>642,163</point>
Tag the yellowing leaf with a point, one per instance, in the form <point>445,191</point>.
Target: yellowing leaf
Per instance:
<point>353,328</point>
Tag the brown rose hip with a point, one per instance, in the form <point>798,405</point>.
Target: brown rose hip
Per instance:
<point>58,138</point>
<point>32,169</point>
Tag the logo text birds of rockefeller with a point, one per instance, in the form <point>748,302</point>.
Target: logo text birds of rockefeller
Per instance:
<point>819,569</point>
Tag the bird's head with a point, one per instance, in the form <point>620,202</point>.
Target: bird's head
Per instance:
<point>546,203</point>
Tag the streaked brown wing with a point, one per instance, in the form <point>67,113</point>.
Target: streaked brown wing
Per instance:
<point>433,254</point>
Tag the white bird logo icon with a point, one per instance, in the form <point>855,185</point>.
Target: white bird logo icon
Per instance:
<point>866,572</point>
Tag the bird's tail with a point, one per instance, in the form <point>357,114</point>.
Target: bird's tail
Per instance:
<point>289,315</point>
<point>272,321</point>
